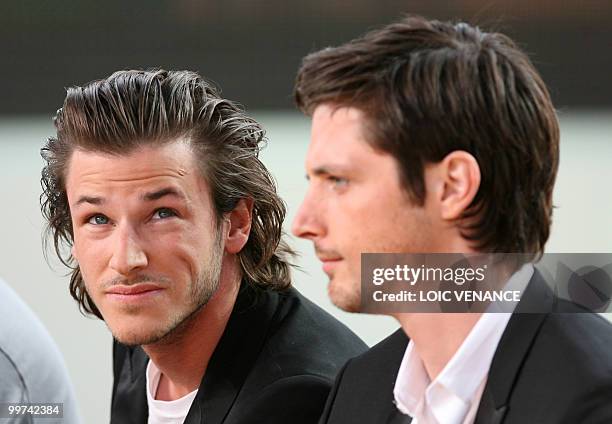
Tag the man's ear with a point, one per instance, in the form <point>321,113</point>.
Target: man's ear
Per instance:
<point>458,179</point>
<point>239,220</point>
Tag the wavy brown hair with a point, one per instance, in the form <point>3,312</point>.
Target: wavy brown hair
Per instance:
<point>429,88</point>
<point>133,108</point>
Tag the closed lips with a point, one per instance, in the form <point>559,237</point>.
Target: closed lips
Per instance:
<point>133,290</point>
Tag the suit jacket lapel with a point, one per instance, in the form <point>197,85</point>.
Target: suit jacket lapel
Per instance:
<point>512,350</point>
<point>234,356</point>
<point>488,411</point>
<point>130,406</point>
<point>396,417</point>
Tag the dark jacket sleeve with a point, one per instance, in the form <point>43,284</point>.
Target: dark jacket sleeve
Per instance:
<point>296,400</point>
<point>332,395</point>
<point>594,406</point>
<point>119,354</point>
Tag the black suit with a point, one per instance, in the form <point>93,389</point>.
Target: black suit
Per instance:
<point>275,363</point>
<point>548,368</point>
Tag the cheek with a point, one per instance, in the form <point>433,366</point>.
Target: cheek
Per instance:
<point>192,242</point>
<point>88,253</point>
<point>92,268</point>
<point>180,250</point>
<point>94,252</point>
<point>368,230</point>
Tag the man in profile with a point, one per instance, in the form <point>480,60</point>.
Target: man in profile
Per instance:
<point>432,137</point>
<point>174,228</point>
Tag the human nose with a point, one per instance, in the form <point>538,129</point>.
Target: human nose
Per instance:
<point>128,253</point>
<point>307,223</point>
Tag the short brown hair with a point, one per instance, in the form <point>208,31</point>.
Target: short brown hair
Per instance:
<point>132,108</point>
<point>429,88</point>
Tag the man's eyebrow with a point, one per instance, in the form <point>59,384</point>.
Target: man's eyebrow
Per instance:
<point>168,191</point>
<point>93,200</point>
<point>320,170</point>
<point>323,170</point>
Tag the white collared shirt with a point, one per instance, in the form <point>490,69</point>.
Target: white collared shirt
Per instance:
<point>165,412</point>
<point>454,395</point>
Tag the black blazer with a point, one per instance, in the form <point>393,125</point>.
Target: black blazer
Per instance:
<point>275,363</point>
<point>548,368</point>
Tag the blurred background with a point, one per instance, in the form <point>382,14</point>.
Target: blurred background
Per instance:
<point>252,49</point>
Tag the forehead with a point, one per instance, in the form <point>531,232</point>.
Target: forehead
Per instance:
<point>170,162</point>
<point>338,136</point>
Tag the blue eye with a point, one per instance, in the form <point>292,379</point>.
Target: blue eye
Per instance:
<point>337,182</point>
<point>164,213</point>
<point>98,220</point>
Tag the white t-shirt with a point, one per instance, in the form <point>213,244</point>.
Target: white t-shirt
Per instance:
<point>165,412</point>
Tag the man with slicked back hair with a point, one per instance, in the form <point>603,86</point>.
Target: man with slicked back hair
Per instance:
<point>156,199</point>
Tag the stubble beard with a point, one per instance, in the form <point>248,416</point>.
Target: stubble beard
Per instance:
<point>345,295</point>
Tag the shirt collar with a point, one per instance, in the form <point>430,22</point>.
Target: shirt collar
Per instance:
<point>448,398</point>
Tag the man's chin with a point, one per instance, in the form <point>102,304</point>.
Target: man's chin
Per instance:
<point>138,337</point>
<point>141,334</point>
<point>348,306</point>
<point>344,298</point>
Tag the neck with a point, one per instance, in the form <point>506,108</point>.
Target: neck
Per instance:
<point>437,336</point>
<point>182,360</point>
